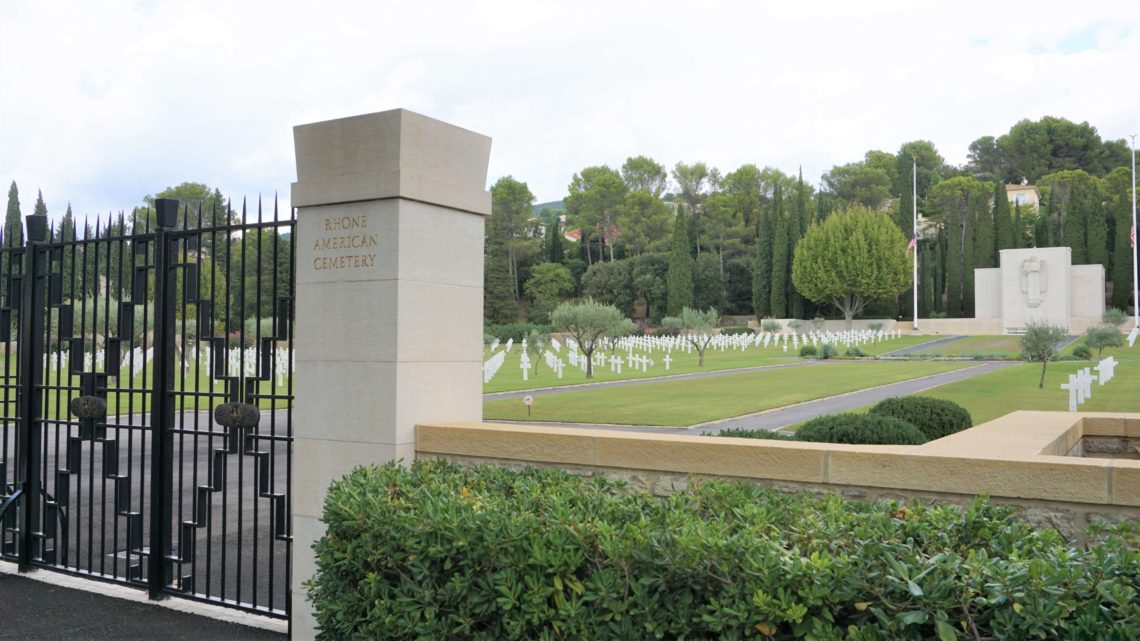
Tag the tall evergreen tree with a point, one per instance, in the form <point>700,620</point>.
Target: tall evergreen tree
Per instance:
<point>1019,241</point>
<point>66,234</point>
<point>984,232</point>
<point>679,279</point>
<point>978,212</point>
<point>1003,223</point>
<point>780,258</point>
<point>796,231</point>
<point>498,295</point>
<point>1118,202</point>
<point>762,269</point>
<point>555,253</point>
<point>13,221</point>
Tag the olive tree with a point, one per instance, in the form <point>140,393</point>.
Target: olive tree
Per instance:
<point>1039,344</point>
<point>697,328</point>
<point>587,323</point>
<point>852,257</point>
<point>1103,336</point>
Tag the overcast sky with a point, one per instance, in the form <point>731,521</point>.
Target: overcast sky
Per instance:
<point>103,102</point>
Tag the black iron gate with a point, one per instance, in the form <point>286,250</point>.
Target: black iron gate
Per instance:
<point>146,396</point>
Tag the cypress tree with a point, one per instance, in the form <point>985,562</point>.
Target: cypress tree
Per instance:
<point>65,234</point>
<point>1018,228</point>
<point>13,223</point>
<point>940,273</point>
<point>780,259</point>
<point>554,251</point>
<point>1096,227</point>
<point>984,232</point>
<point>498,295</point>
<point>796,231</point>
<point>1003,223</point>
<point>978,210</point>
<point>955,240</point>
<point>1118,199</point>
<point>679,278</point>
<point>1046,221</point>
<point>762,268</point>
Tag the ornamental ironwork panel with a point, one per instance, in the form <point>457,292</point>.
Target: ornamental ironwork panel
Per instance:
<point>146,396</point>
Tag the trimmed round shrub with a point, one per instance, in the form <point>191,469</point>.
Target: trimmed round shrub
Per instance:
<point>1082,352</point>
<point>740,432</point>
<point>807,351</point>
<point>860,429</point>
<point>735,330</point>
<point>936,417</point>
<point>855,352</point>
<point>827,350</point>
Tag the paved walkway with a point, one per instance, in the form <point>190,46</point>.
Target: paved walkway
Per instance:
<point>922,347</point>
<point>774,419</point>
<point>32,610</point>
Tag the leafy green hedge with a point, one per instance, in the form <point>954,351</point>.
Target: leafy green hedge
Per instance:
<point>936,417</point>
<point>516,331</point>
<point>440,552</point>
<point>865,429</point>
<point>733,330</point>
<point>743,432</point>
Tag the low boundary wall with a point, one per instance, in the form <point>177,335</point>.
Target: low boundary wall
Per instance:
<point>1018,460</point>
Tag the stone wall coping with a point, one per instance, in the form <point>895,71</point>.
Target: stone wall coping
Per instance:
<point>1020,455</point>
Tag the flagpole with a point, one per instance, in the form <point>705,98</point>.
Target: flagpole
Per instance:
<point>1135,285</point>
<point>914,232</point>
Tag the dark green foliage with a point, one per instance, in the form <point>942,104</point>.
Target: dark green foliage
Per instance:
<point>1003,223</point>
<point>611,283</point>
<point>860,429</point>
<point>936,417</point>
<point>1103,336</point>
<point>679,279</point>
<point>737,329</point>
<point>650,272</point>
<point>1039,345</point>
<point>827,350</point>
<point>781,257</point>
<point>855,352</point>
<point>708,283</point>
<point>807,351</point>
<point>1083,352</point>
<point>443,552</point>
<point>1115,317</point>
<point>498,297</point>
<point>764,435</point>
<point>554,250</point>
<point>1118,208</point>
<point>516,331</point>
<point>13,221</point>
<point>762,269</point>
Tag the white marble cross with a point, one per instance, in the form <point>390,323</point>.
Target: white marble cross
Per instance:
<point>1106,370</point>
<point>668,360</point>
<point>1074,389</point>
<point>1132,335</point>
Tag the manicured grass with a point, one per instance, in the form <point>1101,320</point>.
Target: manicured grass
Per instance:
<point>973,345</point>
<point>687,402</point>
<point>1015,388</point>
<point>509,376</point>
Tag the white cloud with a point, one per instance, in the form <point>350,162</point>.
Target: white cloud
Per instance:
<point>105,102</point>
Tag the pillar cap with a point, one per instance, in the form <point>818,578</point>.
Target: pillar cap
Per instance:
<point>391,154</point>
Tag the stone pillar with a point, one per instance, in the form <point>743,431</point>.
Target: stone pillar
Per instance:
<point>389,243</point>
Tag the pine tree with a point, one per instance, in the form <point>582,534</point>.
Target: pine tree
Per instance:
<point>1003,223</point>
<point>780,260</point>
<point>13,222</point>
<point>554,251</point>
<point>679,278</point>
<point>762,268</point>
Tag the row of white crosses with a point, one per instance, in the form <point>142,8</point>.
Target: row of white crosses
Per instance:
<point>558,356</point>
<point>1080,384</point>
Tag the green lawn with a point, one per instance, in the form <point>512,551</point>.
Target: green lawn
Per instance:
<point>1015,388</point>
<point>975,345</point>
<point>687,402</point>
<point>509,376</point>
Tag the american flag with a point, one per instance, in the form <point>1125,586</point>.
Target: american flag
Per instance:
<point>913,240</point>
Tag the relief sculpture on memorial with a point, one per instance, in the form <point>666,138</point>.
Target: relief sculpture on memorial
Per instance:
<point>1034,280</point>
